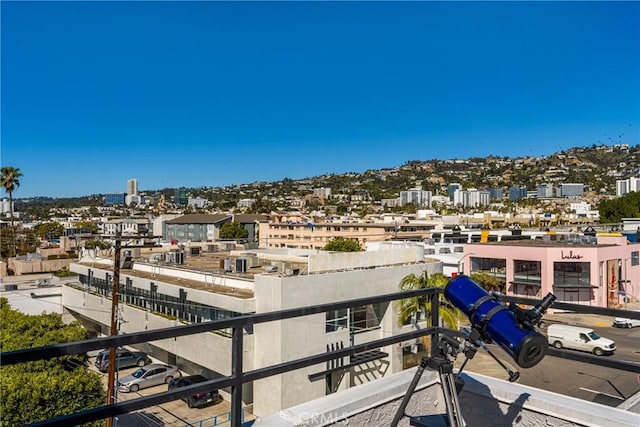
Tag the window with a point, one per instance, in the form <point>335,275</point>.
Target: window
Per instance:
<point>571,274</point>
<point>492,266</point>
<point>635,258</point>
<point>356,318</point>
<point>527,272</point>
<point>336,319</point>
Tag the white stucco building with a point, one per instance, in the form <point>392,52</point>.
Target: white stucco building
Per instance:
<point>156,295</point>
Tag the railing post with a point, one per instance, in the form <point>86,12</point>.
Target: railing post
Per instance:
<point>236,372</point>
<point>435,320</point>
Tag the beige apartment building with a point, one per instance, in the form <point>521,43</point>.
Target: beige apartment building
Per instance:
<point>298,232</point>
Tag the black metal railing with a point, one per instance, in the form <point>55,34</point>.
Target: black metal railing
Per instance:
<point>239,377</point>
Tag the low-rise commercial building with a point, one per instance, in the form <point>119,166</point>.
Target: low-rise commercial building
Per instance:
<point>601,270</point>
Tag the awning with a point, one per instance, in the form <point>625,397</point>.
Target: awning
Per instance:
<point>575,286</point>
<point>522,283</point>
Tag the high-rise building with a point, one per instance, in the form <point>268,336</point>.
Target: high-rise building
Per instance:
<point>495,193</point>
<point>132,187</point>
<point>180,196</point>
<point>471,198</point>
<point>416,196</point>
<point>570,190</point>
<point>624,186</point>
<point>114,199</point>
<point>544,191</point>
<point>452,189</point>
<point>517,193</point>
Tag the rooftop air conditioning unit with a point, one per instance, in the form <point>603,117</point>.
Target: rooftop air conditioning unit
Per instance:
<point>271,269</point>
<point>253,261</point>
<point>241,265</point>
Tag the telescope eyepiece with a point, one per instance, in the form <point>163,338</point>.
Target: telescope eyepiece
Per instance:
<point>546,302</point>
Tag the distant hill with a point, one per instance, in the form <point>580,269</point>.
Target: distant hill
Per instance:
<point>597,167</point>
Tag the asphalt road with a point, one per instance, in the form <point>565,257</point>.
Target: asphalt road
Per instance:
<point>577,379</point>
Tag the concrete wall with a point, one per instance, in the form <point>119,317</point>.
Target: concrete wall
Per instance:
<point>331,261</point>
<point>484,401</point>
<point>296,338</point>
<point>21,267</point>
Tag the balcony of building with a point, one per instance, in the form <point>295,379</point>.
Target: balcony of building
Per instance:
<point>484,400</point>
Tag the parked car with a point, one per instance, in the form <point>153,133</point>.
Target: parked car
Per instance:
<point>577,338</point>
<point>124,359</point>
<point>198,399</point>
<point>148,376</point>
<point>624,322</point>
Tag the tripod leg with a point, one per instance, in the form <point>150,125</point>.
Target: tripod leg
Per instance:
<point>412,387</point>
<point>448,383</point>
<point>513,375</point>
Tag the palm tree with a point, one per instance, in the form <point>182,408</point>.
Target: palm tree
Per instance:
<point>419,308</point>
<point>10,180</point>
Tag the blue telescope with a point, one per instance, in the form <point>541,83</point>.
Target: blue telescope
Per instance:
<point>512,328</point>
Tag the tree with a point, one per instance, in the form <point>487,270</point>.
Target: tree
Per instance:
<point>93,229</point>
<point>233,230</point>
<point>487,282</point>
<point>34,391</point>
<point>7,237</point>
<point>10,180</point>
<point>50,230</point>
<point>340,244</point>
<point>627,206</point>
<point>416,309</point>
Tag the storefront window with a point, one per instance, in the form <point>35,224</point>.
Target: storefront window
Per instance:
<point>571,274</point>
<point>492,266</point>
<point>527,277</point>
<point>527,272</point>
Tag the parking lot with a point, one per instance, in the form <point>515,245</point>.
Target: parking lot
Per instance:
<point>175,413</point>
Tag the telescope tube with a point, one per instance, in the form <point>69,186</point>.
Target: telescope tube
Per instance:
<point>496,322</point>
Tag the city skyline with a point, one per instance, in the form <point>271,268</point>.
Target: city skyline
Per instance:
<point>213,93</point>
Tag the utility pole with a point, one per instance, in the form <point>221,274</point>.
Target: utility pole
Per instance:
<point>114,324</point>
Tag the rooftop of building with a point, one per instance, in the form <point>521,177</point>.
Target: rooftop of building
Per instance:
<point>542,243</point>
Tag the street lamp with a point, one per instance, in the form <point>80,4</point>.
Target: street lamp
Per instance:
<point>460,261</point>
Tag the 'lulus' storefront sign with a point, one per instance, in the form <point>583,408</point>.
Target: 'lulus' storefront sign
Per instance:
<point>570,255</point>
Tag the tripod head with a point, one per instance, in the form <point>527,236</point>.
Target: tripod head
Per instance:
<point>532,317</point>
<point>450,346</point>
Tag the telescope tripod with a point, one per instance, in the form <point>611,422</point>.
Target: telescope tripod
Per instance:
<point>451,384</point>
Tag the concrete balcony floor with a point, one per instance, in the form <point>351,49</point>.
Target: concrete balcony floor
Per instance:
<point>484,401</point>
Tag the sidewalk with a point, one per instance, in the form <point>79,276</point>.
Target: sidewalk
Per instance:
<point>584,319</point>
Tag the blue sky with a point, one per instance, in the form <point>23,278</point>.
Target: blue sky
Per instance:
<point>210,93</point>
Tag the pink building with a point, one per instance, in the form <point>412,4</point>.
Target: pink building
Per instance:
<point>603,271</point>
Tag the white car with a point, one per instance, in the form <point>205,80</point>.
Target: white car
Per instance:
<point>624,322</point>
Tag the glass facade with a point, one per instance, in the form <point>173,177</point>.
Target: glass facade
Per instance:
<point>527,277</point>
<point>571,274</point>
